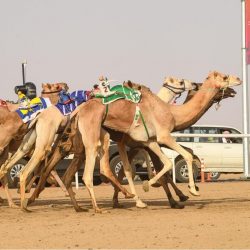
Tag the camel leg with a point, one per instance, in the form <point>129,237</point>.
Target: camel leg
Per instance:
<point>167,164</point>
<point>158,165</point>
<point>105,167</point>
<point>116,203</point>
<point>170,141</point>
<point>25,147</point>
<point>128,173</point>
<point>59,181</point>
<point>8,195</point>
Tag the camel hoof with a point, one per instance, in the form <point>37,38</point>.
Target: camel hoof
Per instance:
<point>183,197</point>
<point>81,209</point>
<point>13,206</point>
<point>145,186</point>
<point>129,196</point>
<point>117,205</point>
<point>25,203</point>
<point>177,206</point>
<point>156,185</point>
<point>100,211</point>
<point>141,204</point>
<point>193,191</point>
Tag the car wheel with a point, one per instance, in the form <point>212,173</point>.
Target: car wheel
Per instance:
<point>214,175</point>
<point>116,166</point>
<point>14,172</point>
<point>181,170</point>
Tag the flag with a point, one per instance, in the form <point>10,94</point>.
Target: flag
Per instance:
<point>248,30</point>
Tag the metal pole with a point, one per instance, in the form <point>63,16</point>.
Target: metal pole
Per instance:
<point>24,71</point>
<point>245,92</point>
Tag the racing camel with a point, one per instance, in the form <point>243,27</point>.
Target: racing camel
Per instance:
<point>160,119</point>
<point>74,165</point>
<point>172,87</point>
<point>16,129</point>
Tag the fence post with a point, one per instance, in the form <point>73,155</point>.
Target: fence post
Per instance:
<point>202,170</point>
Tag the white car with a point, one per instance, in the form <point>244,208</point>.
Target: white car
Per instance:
<point>220,155</point>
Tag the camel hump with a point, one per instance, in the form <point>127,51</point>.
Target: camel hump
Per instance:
<point>132,85</point>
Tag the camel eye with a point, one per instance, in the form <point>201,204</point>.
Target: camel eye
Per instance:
<point>225,78</point>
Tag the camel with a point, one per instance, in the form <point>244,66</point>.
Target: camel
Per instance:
<point>135,148</point>
<point>171,88</point>
<point>13,129</point>
<point>160,119</point>
<point>74,165</point>
<point>50,120</point>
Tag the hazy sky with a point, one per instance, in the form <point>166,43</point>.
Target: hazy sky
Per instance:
<point>75,41</point>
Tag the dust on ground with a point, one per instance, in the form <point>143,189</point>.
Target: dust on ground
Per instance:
<point>219,218</point>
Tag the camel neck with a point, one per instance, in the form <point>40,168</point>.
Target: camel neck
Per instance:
<point>189,113</point>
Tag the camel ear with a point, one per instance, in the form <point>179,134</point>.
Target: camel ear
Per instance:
<point>129,83</point>
<point>171,79</point>
<point>225,78</point>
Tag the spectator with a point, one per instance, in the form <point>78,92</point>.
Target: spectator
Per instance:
<point>226,139</point>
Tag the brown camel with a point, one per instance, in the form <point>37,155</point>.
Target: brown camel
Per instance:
<point>73,167</point>
<point>171,88</point>
<point>135,148</point>
<point>161,119</point>
<point>13,129</point>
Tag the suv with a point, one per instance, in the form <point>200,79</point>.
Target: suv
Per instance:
<point>221,155</point>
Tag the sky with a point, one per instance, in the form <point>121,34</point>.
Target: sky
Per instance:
<point>76,41</point>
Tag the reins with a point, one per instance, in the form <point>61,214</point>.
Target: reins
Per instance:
<point>52,92</point>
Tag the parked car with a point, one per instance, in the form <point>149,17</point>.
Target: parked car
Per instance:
<point>220,155</point>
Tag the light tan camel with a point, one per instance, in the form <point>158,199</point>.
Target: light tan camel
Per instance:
<point>160,119</point>
<point>13,129</point>
<point>173,87</point>
<point>50,120</point>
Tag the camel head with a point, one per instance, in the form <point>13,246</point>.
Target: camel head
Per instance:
<point>223,81</point>
<point>54,87</point>
<point>178,85</point>
<point>222,94</point>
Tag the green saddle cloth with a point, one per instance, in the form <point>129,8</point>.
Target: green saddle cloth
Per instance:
<point>121,92</point>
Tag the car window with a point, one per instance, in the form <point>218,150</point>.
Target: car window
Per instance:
<point>231,131</point>
<point>206,130</point>
<point>184,139</point>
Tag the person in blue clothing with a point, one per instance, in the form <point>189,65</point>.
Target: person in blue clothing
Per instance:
<point>64,97</point>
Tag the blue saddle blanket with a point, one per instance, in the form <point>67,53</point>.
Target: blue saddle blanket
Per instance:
<point>37,105</point>
<point>77,98</point>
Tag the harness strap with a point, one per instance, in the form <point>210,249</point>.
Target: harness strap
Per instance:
<point>106,113</point>
<point>144,123</point>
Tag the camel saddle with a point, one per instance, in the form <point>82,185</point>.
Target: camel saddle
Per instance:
<point>36,106</point>
<point>121,92</point>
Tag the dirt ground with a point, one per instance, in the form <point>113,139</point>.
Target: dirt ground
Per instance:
<point>219,218</point>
